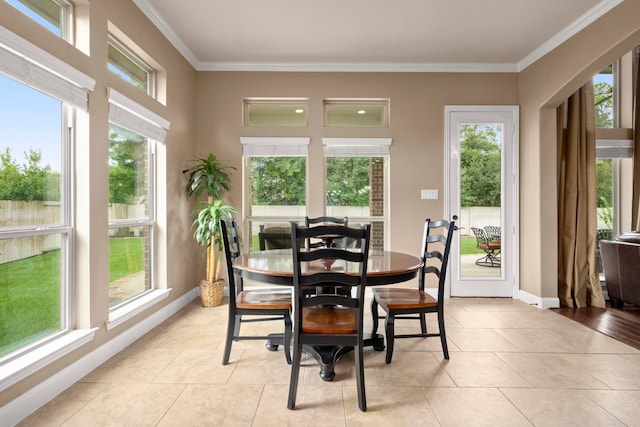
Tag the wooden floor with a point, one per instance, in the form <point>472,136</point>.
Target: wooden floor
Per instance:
<point>621,324</point>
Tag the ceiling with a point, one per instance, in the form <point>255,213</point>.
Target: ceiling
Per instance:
<point>369,35</point>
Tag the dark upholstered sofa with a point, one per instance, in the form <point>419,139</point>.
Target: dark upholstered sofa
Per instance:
<point>621,262</point>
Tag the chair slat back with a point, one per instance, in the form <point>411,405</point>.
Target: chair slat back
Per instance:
<point>436,245</point>
<point>314,267</point>
<point>231,246</point>
<point>327,220</point>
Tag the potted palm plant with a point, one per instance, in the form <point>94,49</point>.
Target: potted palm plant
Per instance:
<point>210,176</point>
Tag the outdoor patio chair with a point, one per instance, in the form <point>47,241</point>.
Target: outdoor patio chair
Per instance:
<point>490,247</point>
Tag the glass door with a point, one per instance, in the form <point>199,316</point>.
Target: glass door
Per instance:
<point>482,183</point>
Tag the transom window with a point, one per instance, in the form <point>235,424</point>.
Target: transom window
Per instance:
<point>130,67</point>
<point>275,111</point>
<point>54,15</point>
<point>356,112</point>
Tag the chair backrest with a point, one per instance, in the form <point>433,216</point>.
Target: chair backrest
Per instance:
<point>436,245</point>
<point>274,238</point>
<point>481,236</point>
<point>231,246</point>
<point>315,267</point>
<point>494,233</point>
<point>327,220</point>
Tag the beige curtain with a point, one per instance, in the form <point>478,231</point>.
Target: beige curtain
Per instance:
<point>578,281</point>
<point>635,205</point>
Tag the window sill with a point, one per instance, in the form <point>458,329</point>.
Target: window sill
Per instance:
<point>128,311</point>
<point>23,366</point>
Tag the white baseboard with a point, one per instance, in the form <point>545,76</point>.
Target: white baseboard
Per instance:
<point>27,403</point>
<point>538,301</point>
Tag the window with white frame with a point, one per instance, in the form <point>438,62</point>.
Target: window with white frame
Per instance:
<point>36,204</point>
<point>133,133</point>
<point>275,111</point>
<point>54,15</point>
<point>357,183</point>
<point>130,66</point>
<point>276,185</point>
<point>356,112</point>
<point>614,150</point>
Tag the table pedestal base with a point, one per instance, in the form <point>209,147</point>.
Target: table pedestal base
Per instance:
<point>328,356</point>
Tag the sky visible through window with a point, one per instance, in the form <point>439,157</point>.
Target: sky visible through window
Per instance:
<point>29,119</point>
<point>31,14</point>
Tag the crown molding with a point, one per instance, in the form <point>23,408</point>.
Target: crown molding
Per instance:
<point>578,25</point>
<point>360,67</point>
<point>162,25</point>
<point>589,17</point>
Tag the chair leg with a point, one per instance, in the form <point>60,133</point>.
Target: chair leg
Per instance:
<point>443,335</point>
<point>389,334</point>
<point>374,316</point>
<point>295,373</point>
<point>231,328</point>
<point>362,398</point>
<point>236,327</point>
<point>423,323</point>
<point>287,337</point>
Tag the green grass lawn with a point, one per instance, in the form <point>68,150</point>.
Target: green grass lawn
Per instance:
<point>126,256</point>
<point>468,246</point>
<point>30,291</point>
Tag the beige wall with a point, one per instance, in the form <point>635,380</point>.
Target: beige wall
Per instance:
<point>175,240</point>
<point>205,113</point>
<point>417,127</point>
<point>543,86</point>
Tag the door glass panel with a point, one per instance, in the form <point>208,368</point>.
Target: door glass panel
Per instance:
<point>480,200</point>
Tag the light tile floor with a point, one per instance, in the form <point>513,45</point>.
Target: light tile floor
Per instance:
<point>511,364</point>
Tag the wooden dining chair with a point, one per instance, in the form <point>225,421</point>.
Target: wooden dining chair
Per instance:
<point>403,303</point>
<point>328,319</point>
<point>260,304</point>
<point>325,220</point>
<point>341,243</point>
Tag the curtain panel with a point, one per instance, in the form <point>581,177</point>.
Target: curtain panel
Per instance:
<point>578,281</point>
<point>635,204</point>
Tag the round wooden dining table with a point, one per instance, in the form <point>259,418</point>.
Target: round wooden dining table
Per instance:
<point>276,267</point>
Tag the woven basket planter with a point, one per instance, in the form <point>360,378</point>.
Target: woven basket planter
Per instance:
<point>211,293</point>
